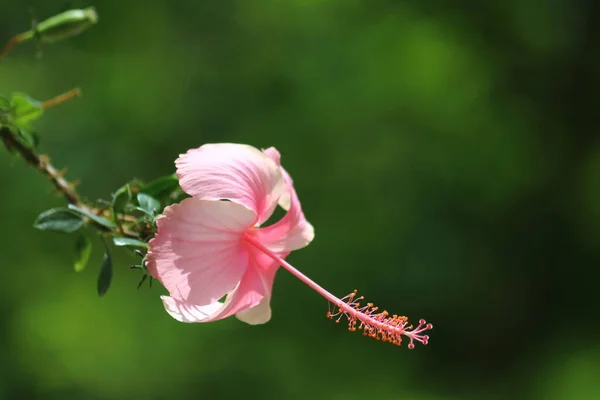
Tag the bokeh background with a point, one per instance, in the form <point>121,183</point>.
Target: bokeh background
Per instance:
<point>446,152</point>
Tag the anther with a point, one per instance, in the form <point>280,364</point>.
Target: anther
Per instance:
<point>379,326</point>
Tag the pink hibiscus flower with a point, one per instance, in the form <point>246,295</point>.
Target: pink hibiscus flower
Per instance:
<point>216,260</point>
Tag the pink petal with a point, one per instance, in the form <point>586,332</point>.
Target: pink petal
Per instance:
<point>198,253</point>
<point>261,313</point>
<point>257,315</point>
<point>293,231</point>
<point>273,154</point>
<point>249,301</point>
<point>284,200</point>
<point>183,312</point>
<point>249,293</point>
<point>235,172</point>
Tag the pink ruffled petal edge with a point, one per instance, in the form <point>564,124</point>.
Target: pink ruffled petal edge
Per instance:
<point>284,200</point>
<point>249,293</point>
<point>293,231</point>
<point>235,172</point>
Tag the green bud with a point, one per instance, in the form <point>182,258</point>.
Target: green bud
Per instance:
<point>65,25</point>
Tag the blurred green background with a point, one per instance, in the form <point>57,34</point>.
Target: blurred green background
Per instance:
<point>447,154</point>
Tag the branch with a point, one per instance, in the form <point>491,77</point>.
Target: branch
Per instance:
<point>42,164</point>
<point>13,42</point>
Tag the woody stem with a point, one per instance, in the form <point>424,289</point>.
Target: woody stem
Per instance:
<point>14,41</point>
<point>42,163</point>
<point>61,98</point>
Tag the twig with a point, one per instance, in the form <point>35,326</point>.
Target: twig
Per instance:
<point>13,42</point>
<point>61,98</point>
<point>42,164</point>
<point>64,187</point>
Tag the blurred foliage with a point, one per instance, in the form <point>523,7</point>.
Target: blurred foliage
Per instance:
<point>446,152</point>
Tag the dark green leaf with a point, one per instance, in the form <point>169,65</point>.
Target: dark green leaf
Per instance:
<point>25,109</point>
<point>124,241</point>
<point>105,275</point>
<point>96,218</point>
<point>4,104</point>
<point>58,220</point>
<point>121,198</point>
<point>148,203</point>
<point>83,248</point>
<point>144,277</point>
<point>29,140</point>
<point>161,187</point>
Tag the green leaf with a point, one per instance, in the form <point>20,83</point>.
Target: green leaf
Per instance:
<point>161,187</point>
<point>83,249</point>
<point>105,275</point>
<point>4,104</point>
<point>148,203</point>
<point>58,220</point>
<point>142,280</point>
<point>120,199</point>
<point>29,140</point>
<point>125,241</point>
<point>25,109</point>
<point>96,218</point>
